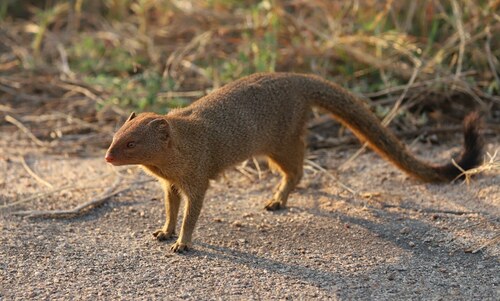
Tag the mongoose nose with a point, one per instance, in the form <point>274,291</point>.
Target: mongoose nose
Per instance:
<point>109,158</point>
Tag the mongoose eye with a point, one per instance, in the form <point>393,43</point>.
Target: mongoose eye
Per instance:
<point>130,144</point>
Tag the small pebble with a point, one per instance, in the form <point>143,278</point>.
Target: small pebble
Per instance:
<point>237,224</point>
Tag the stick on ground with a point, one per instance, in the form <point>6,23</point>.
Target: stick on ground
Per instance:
<point>25,130</point>
<point>33,174</point>
<point>94,202</point>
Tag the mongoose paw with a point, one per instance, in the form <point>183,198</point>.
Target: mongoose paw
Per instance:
<point>179,247</point>
<point>274,205</point>
<point>161,234</point>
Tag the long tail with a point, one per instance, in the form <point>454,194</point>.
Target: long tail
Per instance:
<point>353,114</point>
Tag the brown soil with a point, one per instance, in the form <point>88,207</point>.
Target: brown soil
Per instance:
<point>397,239</point>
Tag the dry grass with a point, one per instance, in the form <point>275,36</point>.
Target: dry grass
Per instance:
<point>83,65</point>
<point>198,45</point>
<point>492,163</point>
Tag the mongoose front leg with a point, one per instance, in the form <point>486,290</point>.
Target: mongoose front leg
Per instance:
<point>192,211</point>
<point>172,202</point>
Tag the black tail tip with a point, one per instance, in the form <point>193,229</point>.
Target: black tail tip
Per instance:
<point>474,143</point>
<point>474,148</point>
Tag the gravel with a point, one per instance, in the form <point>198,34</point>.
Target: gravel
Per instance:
<point>398,242</point>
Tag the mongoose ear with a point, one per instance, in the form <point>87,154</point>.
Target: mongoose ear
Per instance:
<point>132,116</point>
<point>160,124</point>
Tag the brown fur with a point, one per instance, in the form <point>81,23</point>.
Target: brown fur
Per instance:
<point>262,114</point>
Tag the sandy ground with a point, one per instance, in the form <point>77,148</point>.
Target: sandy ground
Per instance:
<point>397,239</point>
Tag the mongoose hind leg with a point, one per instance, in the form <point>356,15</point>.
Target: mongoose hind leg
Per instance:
<point>172,202</point>
<point>290,164</point>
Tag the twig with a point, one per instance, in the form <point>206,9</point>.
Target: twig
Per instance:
<point>461,34</point>
<point>189,65</point>
<point>10,83</point>
<point>462,172</point>
<point>64,61</point>
<point>419,84</point>
<point>19,95</point>
<point>175,59</point>
<point>464,87</point>
<point>409,16</point>
<point>453,212</point>
<point>5,108</point>
<point>69,119</point>
<point>345,44</point>
<point>244,171</point>
<point>46,193</point>
<point>489,55</point>
<point>25,130</point>
<point>257,166</point>
<point>489,242</point>
<point>78,121</point>
<point>330,175</point>
<point>33,174</point>
<point>395,109</point>
<point>491,164</point>
<point>173,94</point>
<point>94,202</point>
<point>80,89</point>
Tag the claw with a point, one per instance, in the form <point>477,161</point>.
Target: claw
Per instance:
<point>161,234</point>
<point>179,247</point>
<point>274,206</point>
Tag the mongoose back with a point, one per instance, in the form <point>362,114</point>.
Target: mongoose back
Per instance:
<point>258,115</point>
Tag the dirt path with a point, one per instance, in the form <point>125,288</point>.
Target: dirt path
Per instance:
<point>400,240</point>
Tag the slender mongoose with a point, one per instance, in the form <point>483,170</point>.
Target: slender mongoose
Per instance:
<point>258,115</point>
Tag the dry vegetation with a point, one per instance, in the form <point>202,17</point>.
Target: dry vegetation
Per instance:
<point>72,70</point>
<point>155,54</point>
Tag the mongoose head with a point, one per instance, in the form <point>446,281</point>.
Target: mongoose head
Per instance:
<point>142,139</point>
